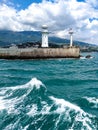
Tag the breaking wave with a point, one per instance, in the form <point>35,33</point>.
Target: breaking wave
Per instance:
<point>28,107</point>
<point>92,101</point>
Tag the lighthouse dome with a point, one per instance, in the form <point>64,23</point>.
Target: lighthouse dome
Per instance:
<point>44,26</point>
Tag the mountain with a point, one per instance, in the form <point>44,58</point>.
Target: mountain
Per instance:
<point>10,37</point>
<point>7,38</point>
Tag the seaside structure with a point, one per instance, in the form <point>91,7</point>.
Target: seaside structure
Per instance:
<point>44,36</point>
<point>71,37</point>
<point>39,53</point>
<point>43,52</point>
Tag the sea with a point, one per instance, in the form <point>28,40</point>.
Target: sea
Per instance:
<point>49,94</point>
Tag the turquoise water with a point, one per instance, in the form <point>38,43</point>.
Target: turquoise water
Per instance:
<point>54,94</point>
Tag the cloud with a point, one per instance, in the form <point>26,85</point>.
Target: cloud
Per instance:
<point>7,15</point>
<point>93,3</point>
<point>59,15</point>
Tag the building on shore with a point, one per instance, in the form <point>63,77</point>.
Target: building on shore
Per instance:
<point>44,52</point>
<point>71,37</point>
<point>44,36</point>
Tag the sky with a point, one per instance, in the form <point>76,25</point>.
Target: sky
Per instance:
<point>58,15</point>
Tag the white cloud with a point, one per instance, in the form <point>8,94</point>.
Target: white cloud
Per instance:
<point>93,3</point>
<point>59,15</point>
<point>7,15</point>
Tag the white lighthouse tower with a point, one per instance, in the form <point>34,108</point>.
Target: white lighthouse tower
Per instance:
<point>44,36</point>
<point>71,36</point>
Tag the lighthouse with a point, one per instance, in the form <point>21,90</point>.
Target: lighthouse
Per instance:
<point>71,36</point>
<point>44,36</point>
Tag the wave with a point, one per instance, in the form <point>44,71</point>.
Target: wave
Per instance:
<point>84,57</point>
<point>74,114</point>
<point>28,106</point>
<point>92,101</point>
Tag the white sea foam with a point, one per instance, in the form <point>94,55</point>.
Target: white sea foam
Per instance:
<point>83,57</point>
<point>9,104</point>
<point>62,108</point>
<point>2,92</point>
<point>2,106</point>
<point>65,107</point>
<point>13,126</point>
<point>26,127</point>
<point>46,109</point>
<point>34,82</point>
<point>63,104</point>
<point>93,101</point>
<point>33,110</point>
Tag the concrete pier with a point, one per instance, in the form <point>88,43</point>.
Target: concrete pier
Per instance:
<point>39,53</point>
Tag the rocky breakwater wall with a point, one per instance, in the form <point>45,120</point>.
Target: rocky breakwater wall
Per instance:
<point>39,53</point>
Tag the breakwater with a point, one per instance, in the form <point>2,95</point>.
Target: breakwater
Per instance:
<point>39,53</point>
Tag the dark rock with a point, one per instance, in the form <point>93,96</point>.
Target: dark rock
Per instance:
<point>88,56</point>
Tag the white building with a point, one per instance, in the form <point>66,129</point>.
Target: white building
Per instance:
<point>71,37</point>
<point>44,36</point>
